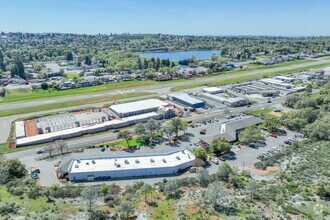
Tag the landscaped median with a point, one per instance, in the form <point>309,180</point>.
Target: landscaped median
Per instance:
<point>52,106</point>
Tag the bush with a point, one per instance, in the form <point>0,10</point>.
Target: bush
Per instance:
<point>8,208</point>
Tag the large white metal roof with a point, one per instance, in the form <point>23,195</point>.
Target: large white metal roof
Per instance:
<point>185,97</point>
<point>131,162</point>
<point>138,106</point>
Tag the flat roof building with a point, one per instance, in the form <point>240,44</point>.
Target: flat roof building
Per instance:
<point>127,166</point>
<point>275,83</point>
<point>138,107</point>
<point>187,100</point>
<point>231,102</point>
<point>213,90</point>
<point>284,79</point>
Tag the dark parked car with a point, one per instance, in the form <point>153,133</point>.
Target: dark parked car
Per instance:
<point>40,151</point>
<point>288,142</point>
<point>253,145</point>
<point>115,131</point>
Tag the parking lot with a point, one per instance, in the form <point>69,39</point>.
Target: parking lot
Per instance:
<point>244,156</point>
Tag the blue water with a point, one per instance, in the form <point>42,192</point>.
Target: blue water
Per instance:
<point>176,56</point>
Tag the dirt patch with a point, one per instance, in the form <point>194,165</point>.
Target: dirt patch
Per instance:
<point>263,172</point>
<point>277,114</point>
<point>30,128</point>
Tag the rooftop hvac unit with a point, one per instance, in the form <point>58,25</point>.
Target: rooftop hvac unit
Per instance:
<point>76,166</point>
<point>93,161</point>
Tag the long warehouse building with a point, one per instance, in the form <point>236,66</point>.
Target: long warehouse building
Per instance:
<point>91,169</point>
<point>138,107</point>
<point>78,131</point>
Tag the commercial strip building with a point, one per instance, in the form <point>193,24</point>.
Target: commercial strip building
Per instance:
<point>186,100</point>
<point>285,79</point>
<point>126,166</point>
<point>231,102</point>
<point>138,107</point>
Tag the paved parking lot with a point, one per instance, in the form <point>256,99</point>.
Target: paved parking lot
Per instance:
<point>245,156</point>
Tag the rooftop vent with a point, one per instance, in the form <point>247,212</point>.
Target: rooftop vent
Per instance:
<point>87,163</point>
<point>164,161</point>
<point>78,161</point>
<point>93,162</point>
<point>126,162</point>
<point>137,161</point>
<point>76,166</point>
<point>178,158</point>
<point>152,160</point>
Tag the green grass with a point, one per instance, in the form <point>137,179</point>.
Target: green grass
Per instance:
<point>72,75</point>
<point>39,205</point>
<point>237,78</point>
<point>51,106</point>
<point>260,112</point>
<point>133,143</point>
<point>52,93</point>
<point>164,211</point>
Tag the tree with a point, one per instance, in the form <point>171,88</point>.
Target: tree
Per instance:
<point>50,149</point>
<point>250,134</point>
<point>18,69</point>
<point>220,145</point>
<point>125,134</point>
<point>127,207</point>
<point>215,194</point>
<point>176,124</point>
<point>200,153</point>
<point>320,129</point>
<point>272,123</point>
<point>309,88</point>
<point>62,146</point>
<point>2,65</point>
<point>146,189</point>
<point>140,130</point>
<point>90,194</point>
<point>152,126</point>
<point>168,131</point>
<point>11,169</point>
<point>171,188</point>
<point>203,177</point>
<point>252,187</point>
<point>69,56</point>
<point>44,86</point>
<point>224,171</point>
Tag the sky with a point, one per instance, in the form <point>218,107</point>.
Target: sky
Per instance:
<point>192,17</point>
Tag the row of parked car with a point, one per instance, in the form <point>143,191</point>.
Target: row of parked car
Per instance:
<point>269,153</point>
<point>229,156</point>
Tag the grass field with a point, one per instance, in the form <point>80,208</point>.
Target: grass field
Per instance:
<point>45,107</point>
<point>133,143</point>
<point>261,112</point>
<point>46,94</point>
<point>237,78</point>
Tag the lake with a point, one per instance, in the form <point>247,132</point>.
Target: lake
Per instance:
<point>176,56</point>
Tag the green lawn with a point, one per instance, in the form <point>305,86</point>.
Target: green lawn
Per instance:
<point>70,103</point>
<point>133,143</point>
<point>261,112</point>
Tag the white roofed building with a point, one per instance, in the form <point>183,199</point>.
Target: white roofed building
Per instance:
<point>138,107</point>
<point>127,166</point>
